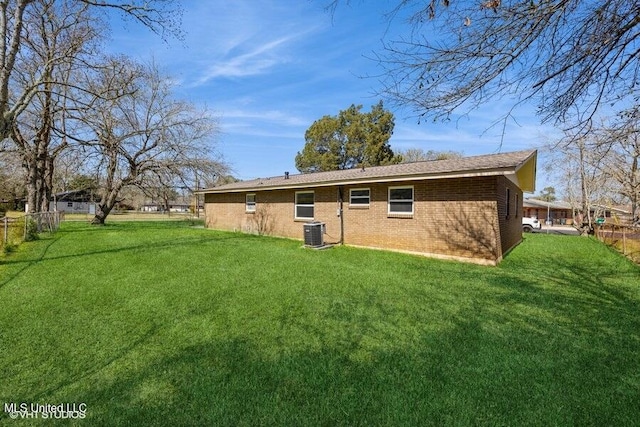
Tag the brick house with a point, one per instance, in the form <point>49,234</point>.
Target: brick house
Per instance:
<point>557,212</point>
<point>465,209</point>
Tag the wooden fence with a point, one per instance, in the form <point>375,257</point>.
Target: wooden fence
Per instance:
<point>624,238</point>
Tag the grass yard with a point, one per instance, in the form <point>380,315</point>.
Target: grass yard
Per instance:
<point>159,323</point>
<point>134,216</point>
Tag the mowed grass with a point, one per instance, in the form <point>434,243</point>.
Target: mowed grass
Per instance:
<point>165,324</point>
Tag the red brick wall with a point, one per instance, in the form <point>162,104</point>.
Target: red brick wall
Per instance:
<point>452,217</point>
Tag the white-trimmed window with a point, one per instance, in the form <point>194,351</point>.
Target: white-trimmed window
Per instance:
<point>359,197</point>
<point>304,205</point>
<point>401,200</point>
<point>250,202</point>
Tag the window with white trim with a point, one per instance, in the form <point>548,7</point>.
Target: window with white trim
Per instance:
<point>304,205</point>
<point>401,200</point>
<point>359,197</point>
<point>250,202</point>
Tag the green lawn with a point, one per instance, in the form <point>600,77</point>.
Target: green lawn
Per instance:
<point>164,324</point>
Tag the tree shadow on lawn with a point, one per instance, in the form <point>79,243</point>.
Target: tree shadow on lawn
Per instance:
<point>587,317</point>
<point>557,348</point>
<point>454,379</point>
<point>51,388</point>
<point>491,366</point>
<point>592,291</point>
<point>22,264</point>
<point>92,229</point>
<point>170,243</point>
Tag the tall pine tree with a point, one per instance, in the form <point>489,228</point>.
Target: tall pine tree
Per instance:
<point>348,140</point>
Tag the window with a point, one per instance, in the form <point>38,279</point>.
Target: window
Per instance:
<point>250,202</point>
<point>304,205</point>
<point>401,200</point>
<point>508,202</point>
<point>359,197</point>
<point>69,204</point>
<point>517,208</point>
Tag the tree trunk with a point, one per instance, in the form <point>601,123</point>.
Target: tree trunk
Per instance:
<point>32,177</point>
<point>586,227</point>
<point>111,189</point>
<point>635,185</point>
<point>107,202</point>
<point>47,184</point>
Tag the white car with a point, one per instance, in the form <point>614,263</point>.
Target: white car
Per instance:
<point>530,223</point>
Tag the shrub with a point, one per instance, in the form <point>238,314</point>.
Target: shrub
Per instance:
<point>8,248</point>
<point>31,231</point>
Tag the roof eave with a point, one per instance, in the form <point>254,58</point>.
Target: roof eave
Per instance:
<point>366,180</point>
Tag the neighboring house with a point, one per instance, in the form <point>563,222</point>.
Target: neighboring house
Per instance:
<point>179,206</point>
<point>77,201</point>
<point>151,207</point>
<point>465,209</point>
<point>174,206</point>
<point>560,213</point>
<point>557,212</point>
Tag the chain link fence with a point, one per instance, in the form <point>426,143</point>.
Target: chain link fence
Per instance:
<point>16,230</point>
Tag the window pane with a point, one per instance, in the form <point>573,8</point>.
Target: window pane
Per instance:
<point>402,207</point>
<point>304,198</point>
<point>304,211</point>
<point>359,201</point>
<point>251,198</point>
<point>401,194</point>
<point>360,193</point>
<point>359,197</point>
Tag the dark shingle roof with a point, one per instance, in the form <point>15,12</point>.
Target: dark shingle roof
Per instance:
<point>490,164</point>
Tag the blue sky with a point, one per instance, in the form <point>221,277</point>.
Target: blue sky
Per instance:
<point>269,68</point>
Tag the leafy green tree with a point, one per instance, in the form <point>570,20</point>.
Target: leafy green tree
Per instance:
<point>348,140</point>
<point>83,182</point>
<point>548,194</point>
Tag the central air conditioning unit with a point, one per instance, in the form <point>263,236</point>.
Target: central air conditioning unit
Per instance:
<point>313,234</point>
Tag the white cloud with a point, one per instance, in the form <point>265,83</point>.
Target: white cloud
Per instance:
<point>257,61</point>
<point>245,38</point>
<point>275,117</point>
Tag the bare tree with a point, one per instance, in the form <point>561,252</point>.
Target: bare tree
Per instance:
<point>144,133</point>
<point>586,186</point>
<point>59,36</point>
<point>44,41</point>
<point>623,158</point>
<point>419,155</point>
<point>161,16</point>
<point>12,188</point>
<point>570,57</point>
